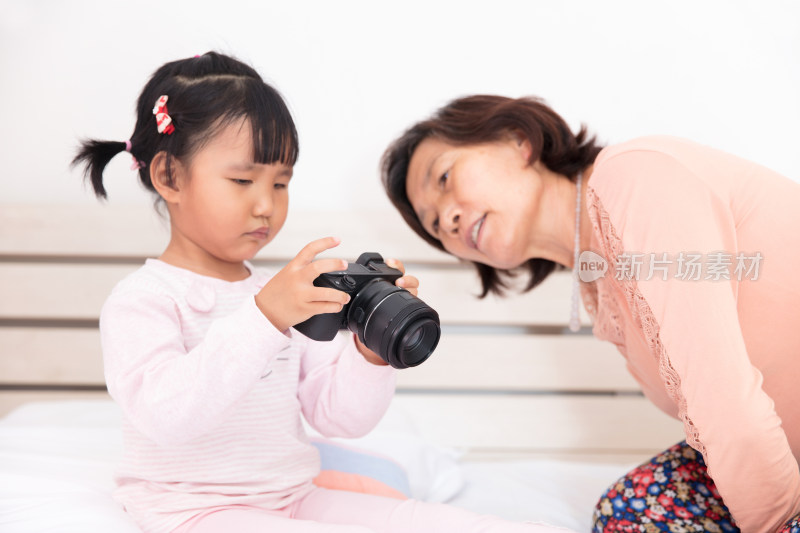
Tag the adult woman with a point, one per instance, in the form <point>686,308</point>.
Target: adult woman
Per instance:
<point>706,328</point>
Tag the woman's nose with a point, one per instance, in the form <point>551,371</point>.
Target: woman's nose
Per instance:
<point>449,220</point>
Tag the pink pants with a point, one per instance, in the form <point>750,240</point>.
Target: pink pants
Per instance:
<point>336,511</point>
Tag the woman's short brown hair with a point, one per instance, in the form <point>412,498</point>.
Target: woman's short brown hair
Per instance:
<point>488,118</point>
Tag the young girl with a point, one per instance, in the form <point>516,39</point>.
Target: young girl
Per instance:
<point>198,346</point>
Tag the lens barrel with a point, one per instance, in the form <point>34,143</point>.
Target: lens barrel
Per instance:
<point>394,323</point>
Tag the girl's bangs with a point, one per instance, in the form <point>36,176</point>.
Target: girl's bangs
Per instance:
<point>273,131</point>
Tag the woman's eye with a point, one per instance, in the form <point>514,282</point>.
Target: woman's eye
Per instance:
<point>435,225</point>
<point>241,181</point>
<point>279,186</point>
<point>443,178</point>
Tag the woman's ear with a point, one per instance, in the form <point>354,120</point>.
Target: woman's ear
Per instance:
<point>165,183</point>
<point>522,144</point>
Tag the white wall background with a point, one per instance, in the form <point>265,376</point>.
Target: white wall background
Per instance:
<point>357,73</point>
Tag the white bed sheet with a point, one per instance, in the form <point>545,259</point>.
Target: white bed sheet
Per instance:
<point>57,459</point>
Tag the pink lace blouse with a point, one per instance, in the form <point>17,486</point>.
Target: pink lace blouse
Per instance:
<point>702,298</point>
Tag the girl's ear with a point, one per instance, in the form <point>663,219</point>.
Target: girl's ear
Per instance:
<point>166,187</point>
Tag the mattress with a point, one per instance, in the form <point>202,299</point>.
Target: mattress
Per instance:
<point>57,461</point>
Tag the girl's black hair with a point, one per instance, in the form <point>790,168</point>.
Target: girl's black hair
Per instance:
<point>481,119</point>
<point>205,94</point>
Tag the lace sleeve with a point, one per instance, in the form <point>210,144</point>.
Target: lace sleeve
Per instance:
<point>609,324</point>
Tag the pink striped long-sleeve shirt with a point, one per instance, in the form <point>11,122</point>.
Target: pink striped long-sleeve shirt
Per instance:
<point>212,395</point>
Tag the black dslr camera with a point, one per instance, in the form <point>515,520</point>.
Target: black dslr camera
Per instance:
<point>388,319</point>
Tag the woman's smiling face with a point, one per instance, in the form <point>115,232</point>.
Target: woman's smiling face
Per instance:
<point>480,200</point>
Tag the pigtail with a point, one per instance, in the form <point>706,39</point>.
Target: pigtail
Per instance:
<point>94,155</point>
<point>204,94</point>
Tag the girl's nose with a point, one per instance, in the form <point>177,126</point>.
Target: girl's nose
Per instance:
<point>263,205</point>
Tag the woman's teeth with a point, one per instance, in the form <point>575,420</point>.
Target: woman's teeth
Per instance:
<point>475,230</point>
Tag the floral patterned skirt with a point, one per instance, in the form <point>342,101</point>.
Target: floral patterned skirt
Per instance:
<point>670,493</point>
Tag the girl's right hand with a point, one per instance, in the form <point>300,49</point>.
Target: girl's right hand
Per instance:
<point>291,297</point>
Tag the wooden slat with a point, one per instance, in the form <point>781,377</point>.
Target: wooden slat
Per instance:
<point>520,363</point>
<point>534,423</point>
<point>489,362</point>
<point>494,427</point>
<point>80,231</point>
<point>51,356</point>
<point>56,291</point>
<point>10,400</point>
<point>452,293</point>
<point>126,231</point>
<point>505,424</point>
<point>77,291</point>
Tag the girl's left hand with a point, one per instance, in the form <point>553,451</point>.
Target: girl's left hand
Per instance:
<point>411,284</point>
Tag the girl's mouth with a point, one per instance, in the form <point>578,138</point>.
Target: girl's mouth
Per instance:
<point>260,233</point>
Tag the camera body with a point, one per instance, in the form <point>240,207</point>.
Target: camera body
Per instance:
<point>368,267</point>
<point>388,319</point>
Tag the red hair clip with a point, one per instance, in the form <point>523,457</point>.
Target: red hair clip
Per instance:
<point>163,119</point>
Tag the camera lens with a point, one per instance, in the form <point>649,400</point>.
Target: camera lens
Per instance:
<point>418,342</point>
<point>394,323</point>
<point>411,339</point>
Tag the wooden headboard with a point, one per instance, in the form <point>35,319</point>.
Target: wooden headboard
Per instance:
<point>508,379</point>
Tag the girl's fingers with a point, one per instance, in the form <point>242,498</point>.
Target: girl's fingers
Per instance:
<point>410,283</point>
<point>310,250</point>
<point>319,308</point>
<point>321,266</point>
<point>396,263</point>
<point>326,295</point>
<point>407,282</point>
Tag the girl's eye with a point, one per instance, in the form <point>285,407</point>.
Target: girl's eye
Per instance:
<point>443,178</point>
<point>435,225</point>
<point>241,181</point>
<point>279,186</point>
